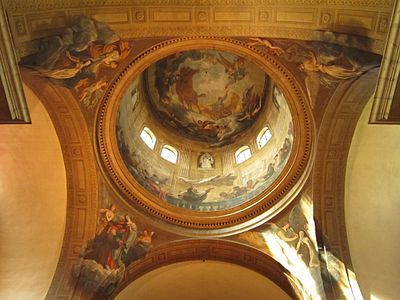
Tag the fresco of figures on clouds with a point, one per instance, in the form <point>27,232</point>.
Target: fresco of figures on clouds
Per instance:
<point>292,242</point>
<point>117,243</point>
<point>81,58</point>
<point>323,65</point>
<point>183,184</point>
<point>206,95</point>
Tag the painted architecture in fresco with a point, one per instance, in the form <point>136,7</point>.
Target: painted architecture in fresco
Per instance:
<point>221,187</point>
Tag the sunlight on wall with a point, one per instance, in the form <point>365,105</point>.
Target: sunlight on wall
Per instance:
<point>289,258</point>
<point>372,207</point>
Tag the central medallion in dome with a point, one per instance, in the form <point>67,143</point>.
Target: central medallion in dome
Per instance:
<point>206,95</point>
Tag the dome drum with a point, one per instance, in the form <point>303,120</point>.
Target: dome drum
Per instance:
<point>204,99</point>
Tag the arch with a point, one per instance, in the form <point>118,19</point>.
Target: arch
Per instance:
<point>334,139</point>
<point>82,190</point>
<point>263,137</point>
<point>148,137</point>
<point>207,249</point>
<point>169,153</point>
<point>242,154</point>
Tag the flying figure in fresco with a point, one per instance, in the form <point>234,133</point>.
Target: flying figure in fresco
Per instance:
<point>80,57</point>
<point>64,73</point>
<point>251,103</point>
<point>184,88</point>
<point>236,71</point>
<point>274,50</point>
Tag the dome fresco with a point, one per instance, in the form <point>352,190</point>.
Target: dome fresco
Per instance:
<point>206,95</point>
<point>206,175</point>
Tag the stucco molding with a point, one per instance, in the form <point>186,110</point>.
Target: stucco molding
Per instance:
<point>334,140</point>
<point>46,4</point>
<point>297,19</point>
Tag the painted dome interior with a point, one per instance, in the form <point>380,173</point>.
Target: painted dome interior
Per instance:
<point>206,95</point>
<point>204,130</point>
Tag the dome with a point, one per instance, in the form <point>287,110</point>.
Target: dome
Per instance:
<point>206,95</point>
<point>223,122</point>
<point>206,131</point>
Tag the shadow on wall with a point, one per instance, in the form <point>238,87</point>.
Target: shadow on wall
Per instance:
<point>353,35</point>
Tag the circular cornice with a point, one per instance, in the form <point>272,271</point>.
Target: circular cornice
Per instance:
<point>252,213</point>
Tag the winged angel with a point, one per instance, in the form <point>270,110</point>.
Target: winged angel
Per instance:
<point>323,68</point>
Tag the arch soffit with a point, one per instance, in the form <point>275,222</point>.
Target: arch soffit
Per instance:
<point>81,174</point>
<point>207,249</point>
<point>333,144</point>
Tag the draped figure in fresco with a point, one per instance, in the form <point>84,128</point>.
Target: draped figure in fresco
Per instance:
<point>80,58</point>
<point>117,243</point>
<point>305,245</point>
<point>140,249</point>
<point>193,195</point>
<point>323,64</point>
<point>116,239</point>
<point>334,70</point>
<point>113,236</point>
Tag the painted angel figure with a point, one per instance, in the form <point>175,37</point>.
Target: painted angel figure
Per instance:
<point>333,70</point>
<point>274,50</point>
<point>65,73</point>
<point>236,71</point>
<point>313,68</point>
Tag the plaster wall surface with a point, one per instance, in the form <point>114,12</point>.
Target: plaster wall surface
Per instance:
<point>198,280</point>
<point>372,207</point>
<point>33,200</point>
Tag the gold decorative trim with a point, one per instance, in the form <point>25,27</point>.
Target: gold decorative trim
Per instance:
<point>234,220</point>
<point>60,4</point>
<point>289,19</point>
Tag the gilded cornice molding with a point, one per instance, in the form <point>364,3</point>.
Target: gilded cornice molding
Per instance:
<point>294,19</point>
<point>19,6</point>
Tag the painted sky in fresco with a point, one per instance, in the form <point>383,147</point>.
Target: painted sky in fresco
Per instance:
<point>206,95</point>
